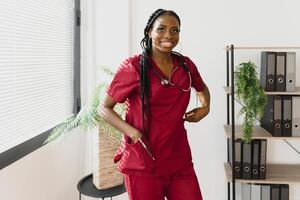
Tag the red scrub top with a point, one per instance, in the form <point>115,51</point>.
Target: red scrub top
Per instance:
<point>167,137</point>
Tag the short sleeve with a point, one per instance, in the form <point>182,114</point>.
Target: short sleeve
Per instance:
<point>125,82</point>
<point>197,81</point>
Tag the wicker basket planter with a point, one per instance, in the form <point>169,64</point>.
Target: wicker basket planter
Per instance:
<point>105,171</point>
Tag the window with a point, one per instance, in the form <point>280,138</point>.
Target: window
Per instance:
<point>37,76</point>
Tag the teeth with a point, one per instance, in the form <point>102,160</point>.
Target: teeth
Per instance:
<point>166,44</point>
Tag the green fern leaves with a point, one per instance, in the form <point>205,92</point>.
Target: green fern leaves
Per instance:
<point>88,117</point>
<point>251,95</point>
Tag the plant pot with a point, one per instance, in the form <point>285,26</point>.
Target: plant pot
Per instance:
<point>105,171</point>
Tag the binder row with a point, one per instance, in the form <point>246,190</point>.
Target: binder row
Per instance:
<point>247,191</point>
<point>282,116</point>
<point>250,159</point>
<point>277,72</point>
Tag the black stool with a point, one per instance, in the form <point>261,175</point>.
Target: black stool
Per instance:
<point>85,186</point>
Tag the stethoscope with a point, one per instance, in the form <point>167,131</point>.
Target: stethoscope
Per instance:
<point>168,82</point>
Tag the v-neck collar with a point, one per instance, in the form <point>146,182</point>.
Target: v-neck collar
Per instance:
<point>175,63</point>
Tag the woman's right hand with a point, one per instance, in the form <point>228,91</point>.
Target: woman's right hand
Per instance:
<point>135,136</point>
<point>106,111</point>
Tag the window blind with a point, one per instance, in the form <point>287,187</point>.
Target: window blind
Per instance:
<point>36,67</point>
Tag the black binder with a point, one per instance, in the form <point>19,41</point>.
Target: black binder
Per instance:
<point>238,164</point>
<point>284,192</point>
<point>267,71</point>
<point>287,116</point>
<point>267,120</point>
<point>255,159</point>
<point>272,118</point>
<point>263,159</point>
<point>275,192</point>
<point>246,160</point>
<point>277,116</point>
<point>238,156</point>
<point>280,71</point>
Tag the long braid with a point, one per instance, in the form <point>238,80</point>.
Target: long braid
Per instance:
<point>146,44</point>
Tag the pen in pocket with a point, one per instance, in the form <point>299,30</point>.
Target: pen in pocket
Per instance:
<point>146,148</point>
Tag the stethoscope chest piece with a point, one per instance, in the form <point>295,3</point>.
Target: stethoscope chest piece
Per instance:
<point>164,81</point>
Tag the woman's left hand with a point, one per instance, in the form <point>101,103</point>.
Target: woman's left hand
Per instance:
<point>196,114</point>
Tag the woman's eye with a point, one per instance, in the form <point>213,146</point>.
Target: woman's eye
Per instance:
<point>176,30</point>
<point>160,29</point>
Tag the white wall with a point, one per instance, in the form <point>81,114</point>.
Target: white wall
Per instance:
<point>207,27</point>
<point>112,38</point>
<point>49,173</point>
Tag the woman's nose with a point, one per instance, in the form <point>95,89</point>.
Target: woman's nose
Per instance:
<point>168,34</point>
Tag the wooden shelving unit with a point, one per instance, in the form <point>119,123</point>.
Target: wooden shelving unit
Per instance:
<point>296,92</point>
<point>258,133</point>
<point>275,174</point>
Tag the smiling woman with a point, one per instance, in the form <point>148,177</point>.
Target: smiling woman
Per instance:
<point>155,157</point>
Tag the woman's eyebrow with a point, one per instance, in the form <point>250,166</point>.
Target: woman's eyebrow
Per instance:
<point>166,26</point>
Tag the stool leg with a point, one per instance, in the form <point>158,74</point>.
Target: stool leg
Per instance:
<point>79,196</point>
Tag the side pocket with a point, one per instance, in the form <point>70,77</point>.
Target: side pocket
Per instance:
<point>143,152</point>
<point>135,158</point>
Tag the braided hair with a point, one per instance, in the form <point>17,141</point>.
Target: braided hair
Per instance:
<point>146,44</point>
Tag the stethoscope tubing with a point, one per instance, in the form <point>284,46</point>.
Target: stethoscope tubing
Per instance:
<point>167,81</point>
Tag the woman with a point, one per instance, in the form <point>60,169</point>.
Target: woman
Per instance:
<point>155,156</point>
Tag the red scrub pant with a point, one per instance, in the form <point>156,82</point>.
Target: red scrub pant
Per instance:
<point>182,185</point>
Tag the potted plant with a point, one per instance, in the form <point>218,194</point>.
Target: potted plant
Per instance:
<point>251,95</point>
<point>107,141</point>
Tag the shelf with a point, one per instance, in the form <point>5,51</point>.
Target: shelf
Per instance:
<point>275,174</point>
<point>296,92</point>
<point>258,133</point>
<point>261,48</point>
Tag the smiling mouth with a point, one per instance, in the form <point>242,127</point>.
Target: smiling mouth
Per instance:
<point>167,44</point>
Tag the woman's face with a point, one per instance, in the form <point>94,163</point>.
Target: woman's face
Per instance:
<point>164,33</point>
